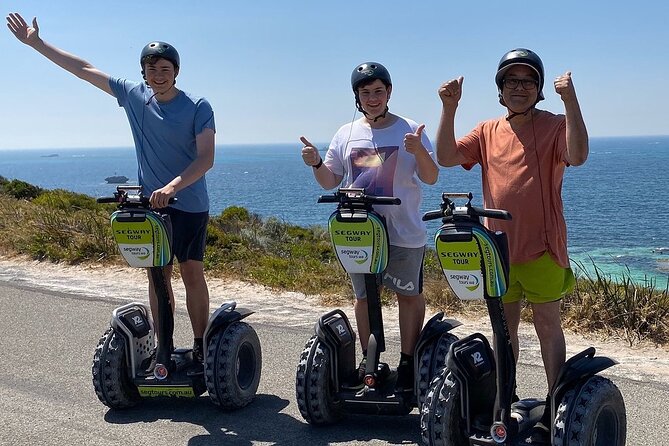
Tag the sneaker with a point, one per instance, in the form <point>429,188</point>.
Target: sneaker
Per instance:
<point>541,435</point>
<point>198,353</point>
<point>362,369</point>
<point>541,431</point>
<point>405,377</point>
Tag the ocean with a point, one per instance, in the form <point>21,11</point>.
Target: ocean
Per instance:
<point>615,205</point>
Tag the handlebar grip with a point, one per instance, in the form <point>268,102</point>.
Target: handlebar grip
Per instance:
<point>386,200</point>
<point>498,214</point>
<point>106,200</point>
<point>328,199</point>
<point>433,215</point>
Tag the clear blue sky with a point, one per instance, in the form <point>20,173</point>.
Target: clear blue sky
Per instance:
<point>275,70</point>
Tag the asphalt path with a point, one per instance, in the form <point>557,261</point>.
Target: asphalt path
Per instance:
<point>47,341</point>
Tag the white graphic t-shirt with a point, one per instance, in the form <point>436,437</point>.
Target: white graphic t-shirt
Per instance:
<point>376,160</point>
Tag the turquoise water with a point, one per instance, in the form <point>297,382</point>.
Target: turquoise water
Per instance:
<point>615,204</point>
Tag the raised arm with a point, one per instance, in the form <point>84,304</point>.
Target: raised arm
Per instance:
<point>323,175</point>
<point>447,153</point>
<point>577,134</point>
<point>75,65</point>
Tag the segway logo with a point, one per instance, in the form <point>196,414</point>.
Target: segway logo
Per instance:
<point>139,252</point>
<point>339,232</point>
<point>137,320</point>
<point>359,256</point>
<point>341,330</point>
<point>133,231</point>
<point>469,281</point>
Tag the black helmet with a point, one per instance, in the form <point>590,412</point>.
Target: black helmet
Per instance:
<point>520,56</point>
<point>369,71</point>
<point>162,50</point>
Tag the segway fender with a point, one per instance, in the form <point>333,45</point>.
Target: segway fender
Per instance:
<point>434,328</point>
<point>577,369</point>
<point>224,316</point>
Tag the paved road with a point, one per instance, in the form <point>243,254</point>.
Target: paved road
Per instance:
<point>47,341</point>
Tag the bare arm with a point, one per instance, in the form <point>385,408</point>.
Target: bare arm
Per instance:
<point>69,62</point>
<point>577,134</point>
<point>447,153</point>
<point>325,177</point>
<point>427,169</point>
<point>205,143</point>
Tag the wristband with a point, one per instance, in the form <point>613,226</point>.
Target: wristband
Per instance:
<point>317,166</point>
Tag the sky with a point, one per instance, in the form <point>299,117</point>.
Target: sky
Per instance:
<point>275,70</point>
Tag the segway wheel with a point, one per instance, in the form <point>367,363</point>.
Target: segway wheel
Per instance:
<point>432,361</point>
<point>592,415</point>
<point>313,386</point>
<point>441,423</point>
<point>111,373</point>
<point>232,366</point>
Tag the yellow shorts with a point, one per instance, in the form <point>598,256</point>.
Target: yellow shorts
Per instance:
<point>539,281</point>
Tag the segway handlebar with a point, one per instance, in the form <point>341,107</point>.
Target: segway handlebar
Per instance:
<point>357,196</point>
<point>129,196</point>
<point>449,209</point>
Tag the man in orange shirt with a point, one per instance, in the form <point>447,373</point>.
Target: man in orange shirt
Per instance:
<point>523,156</point>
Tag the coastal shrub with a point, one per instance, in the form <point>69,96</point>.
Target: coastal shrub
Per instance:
<point>20,190</point>
<point>65,200</point>
<point>637,311</point>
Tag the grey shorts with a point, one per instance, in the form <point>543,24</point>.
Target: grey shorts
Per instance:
<point>404,273</point>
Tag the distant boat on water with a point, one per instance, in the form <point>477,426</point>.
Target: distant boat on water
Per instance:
<point>117,179</point>
<point>52,155</point>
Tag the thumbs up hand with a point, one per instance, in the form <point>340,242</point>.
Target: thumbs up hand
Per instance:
<point>310,154</point>
<point>412,141</point>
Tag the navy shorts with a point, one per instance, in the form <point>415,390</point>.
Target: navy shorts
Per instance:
<point>189,233</point>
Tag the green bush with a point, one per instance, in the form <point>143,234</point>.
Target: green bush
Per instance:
<point>20,189</point>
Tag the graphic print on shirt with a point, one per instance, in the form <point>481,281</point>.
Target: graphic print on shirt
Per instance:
<point>374,169</point>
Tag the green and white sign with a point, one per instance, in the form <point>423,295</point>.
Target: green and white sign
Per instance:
<point>361,246</point>
<point>461,265</point>
<point>142,238</point>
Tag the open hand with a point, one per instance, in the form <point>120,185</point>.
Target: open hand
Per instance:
<point>20,29</point>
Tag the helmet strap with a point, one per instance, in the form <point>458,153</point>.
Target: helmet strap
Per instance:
<point>361,110</point>
<point>514,114</point>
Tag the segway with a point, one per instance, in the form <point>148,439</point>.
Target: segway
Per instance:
<point>327,381</point>
<point>471,401</point>
<point>122,371</point>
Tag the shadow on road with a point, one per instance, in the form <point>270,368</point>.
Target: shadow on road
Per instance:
<point>263,421</point>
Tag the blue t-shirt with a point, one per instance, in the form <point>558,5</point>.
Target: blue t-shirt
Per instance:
<point>164,134</point>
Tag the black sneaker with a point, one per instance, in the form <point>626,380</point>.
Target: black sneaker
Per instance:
<point>198,353</point>
<point>405,377</point>
<point>541,435</point>
<point>541,432</point>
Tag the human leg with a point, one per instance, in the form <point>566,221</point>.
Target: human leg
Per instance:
<point>551,338</point>
<point>153,298</point>
<point>547,284</point>
<point>197,295</point>
<point>411,316</point>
